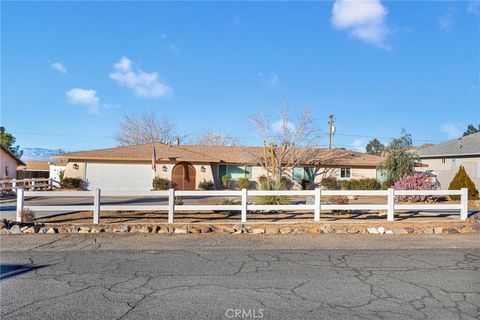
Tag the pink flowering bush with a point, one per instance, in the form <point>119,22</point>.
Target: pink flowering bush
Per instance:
<point>416,181</point>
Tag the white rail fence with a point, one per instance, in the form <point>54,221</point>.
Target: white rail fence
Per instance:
<point>390,206</point>
<point>7,185</point>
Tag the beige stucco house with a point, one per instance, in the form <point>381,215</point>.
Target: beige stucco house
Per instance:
<point>8,163</point>
<point>129,168</point>
<point>444,159</point>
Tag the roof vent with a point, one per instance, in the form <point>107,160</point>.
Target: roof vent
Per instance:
<point>459,143</point>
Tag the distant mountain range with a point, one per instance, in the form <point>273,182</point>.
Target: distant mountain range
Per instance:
<point>39,154</point>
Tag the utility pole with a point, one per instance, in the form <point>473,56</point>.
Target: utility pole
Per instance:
<point>330,131</point>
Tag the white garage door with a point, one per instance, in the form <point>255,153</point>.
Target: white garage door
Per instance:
<point>119,177</point>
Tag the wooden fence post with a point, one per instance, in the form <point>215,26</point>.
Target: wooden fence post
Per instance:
<point>20,202</point>
<point>171,204</point>
<point>244,205</point>
<point>96,206</point>
<point>390,204</point>
<point>464,204</point>
<point>316,216</point>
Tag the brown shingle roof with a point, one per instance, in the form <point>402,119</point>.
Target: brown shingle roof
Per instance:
<point>11,154</point>
<point>202,153</point>
<point>36,166</point>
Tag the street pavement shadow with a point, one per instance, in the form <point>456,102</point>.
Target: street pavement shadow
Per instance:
<point>12,270</point>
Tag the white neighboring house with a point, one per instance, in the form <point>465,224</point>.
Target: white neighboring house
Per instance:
<point>445,159</point>
<point>55,169</point>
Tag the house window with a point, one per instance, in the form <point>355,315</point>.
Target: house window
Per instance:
<point>303,173</point>
<point>454,164</point>
<point>344,172</point>
<point>235,171</point>
<point>6,172</point>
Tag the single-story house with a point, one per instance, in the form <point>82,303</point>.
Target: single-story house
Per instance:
<point>129,168</point>
<point>445,158</point>
<point>33,169</point>
<point>8,163</point>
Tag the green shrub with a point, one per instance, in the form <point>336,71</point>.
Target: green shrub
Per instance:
<point>270,184</point>
<point>71,183</point>
<point>206,185</point>
<point>329,183</point>
<point>385,185</point>
<point>462,180</point>
<point>360,184</point>
<point>242,183</point>
<point>160,183</point>
<point>226,180</point>
<point>307,184</point>
<point>262,180</point>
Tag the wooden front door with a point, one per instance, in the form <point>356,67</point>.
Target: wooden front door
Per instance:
<point>183,176</point>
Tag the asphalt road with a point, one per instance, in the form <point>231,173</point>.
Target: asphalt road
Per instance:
<point>211,277</point>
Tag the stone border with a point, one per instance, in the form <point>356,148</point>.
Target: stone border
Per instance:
<point>12,227</point>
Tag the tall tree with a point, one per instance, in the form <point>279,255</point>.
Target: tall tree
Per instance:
<point>210,138</point>
<point>375,147</point>
<point>399,161</point>
<point>290,142</point>
<point>8,140</point>
<point>471,129</point>
<point>146,128</point>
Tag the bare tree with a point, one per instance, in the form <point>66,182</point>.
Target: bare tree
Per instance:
<point>146,128</point>
<point>216,139</point>
<point>290,142</point>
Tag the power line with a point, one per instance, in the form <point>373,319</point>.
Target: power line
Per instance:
<point>239,137</point>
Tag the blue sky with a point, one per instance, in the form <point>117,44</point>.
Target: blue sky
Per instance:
<point>71,70</point>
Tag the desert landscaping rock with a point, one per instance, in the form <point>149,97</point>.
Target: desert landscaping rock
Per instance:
<point>372,230</point>
<point>381,230</point>
<point>145,229</point>
<point>15,229</point>
<point>180,231</point>
<point>154,229</point>
<point>3,225</point>
<point>272,230</point>
<point>313,230</point>
<point>74,229</point>
<point>466,229</point>
<point>451,231</point>
<point>96,230</point>
<point>438,230</point>
<point>63,229</point>
<point>429,231</point>
<point>4,231</point>
<point>341,230</point>
<point>32,229</point>
<point>228,230</point>
<point>286,230</point>
<point>327,228</point>
<point>388,232</point>
<point>258,231</point>
<point>121,229</point>
<point>400,231</point>
<point>206,229</point>
<point>51,230</point>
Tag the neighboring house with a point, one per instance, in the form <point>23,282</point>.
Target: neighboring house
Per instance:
<point>56,168</point>
<point>129,168</point>
<point>33,169</point>
<point>8,163</point>
<point>444,159</point>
